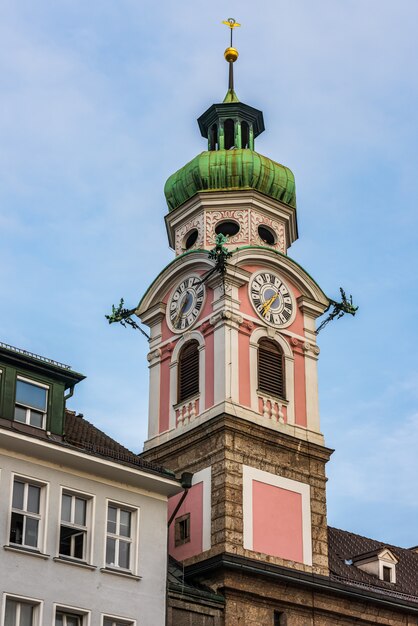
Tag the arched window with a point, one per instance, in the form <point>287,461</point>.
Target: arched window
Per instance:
<point>188,371</point>
<point>213,143</point>
<point>229,131</point>
<point>245,135</point>
<point>271,375</point>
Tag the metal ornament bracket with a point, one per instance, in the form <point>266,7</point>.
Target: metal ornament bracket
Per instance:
<point>219,254</point>
<point>339,309</point>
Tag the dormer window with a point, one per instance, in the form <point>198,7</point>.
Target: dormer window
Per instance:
<point>31,403</point>
<point>380,563</point>
<point>387,573</point>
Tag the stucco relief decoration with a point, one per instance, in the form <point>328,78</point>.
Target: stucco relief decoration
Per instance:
<point>308,347</point>
<point>277,227</point>
<point>241,217</point>
<point>154,355</point>
<point>181,232</point>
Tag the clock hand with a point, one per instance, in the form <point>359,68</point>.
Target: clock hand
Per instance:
<point>180,313</point>
<point>268,303</point>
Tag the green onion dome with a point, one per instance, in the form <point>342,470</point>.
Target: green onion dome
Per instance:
<point>230,170</point>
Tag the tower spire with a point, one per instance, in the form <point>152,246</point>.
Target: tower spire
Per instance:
<point>231,55</point>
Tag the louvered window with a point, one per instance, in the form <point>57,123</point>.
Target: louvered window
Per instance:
<point>271,368</point>
<point>188,378</point>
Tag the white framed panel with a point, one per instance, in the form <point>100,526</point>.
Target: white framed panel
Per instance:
<point>251,474</point>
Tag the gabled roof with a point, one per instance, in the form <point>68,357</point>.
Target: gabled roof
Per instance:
<point>344,547</point>
<point>383,552</point>
<point>81,434</point>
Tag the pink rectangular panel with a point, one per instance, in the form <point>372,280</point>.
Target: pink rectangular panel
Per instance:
<point>193,504</point>
<point>277,522</point>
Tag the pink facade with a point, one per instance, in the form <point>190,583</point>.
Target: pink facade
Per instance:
<point>193,505</point>
<point>275,411</point>
<point>277,522</point>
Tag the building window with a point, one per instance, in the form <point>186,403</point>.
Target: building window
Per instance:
<point>73,529</point>
<point>67,619</point>
<point>69,616</point>
<point>229,130</point>
<point>387,573</point>
<point>279,618</point>
<point>245,135</point>
<point>182,530</point>
<point>21,613</point>
<point>31,403</point>
<point>26,514</point>
<point>271,368</point>
<point>188,371</point>
<point>119,537</point>
<point>115,621</point>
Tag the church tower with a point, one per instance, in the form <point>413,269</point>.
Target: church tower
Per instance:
<point>233,362</point>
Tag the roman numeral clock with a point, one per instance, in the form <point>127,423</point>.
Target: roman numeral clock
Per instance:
<point>185,304</point>
<point>271,299</point>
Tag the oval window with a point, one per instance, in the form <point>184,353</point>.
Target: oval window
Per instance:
<point>267,235</point>
<point>227,228</point>
<point>191,238</point>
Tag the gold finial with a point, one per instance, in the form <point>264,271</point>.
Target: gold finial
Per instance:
<point>231,23</point>
<point>231,53</point>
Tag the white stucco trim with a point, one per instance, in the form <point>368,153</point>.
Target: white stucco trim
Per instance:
<point>38,605</point>
<point>205,476</point>
<point>48,454</point>
<point>90,520</point>
<point>43,507</point>
<point>250,474</point>
<point>311,391</point>
<point>134,544</point>
<point>154,393</point>
<point>188,336</point>
<point>85,614</point>
<point>255,337</point>
<point>129,621</point>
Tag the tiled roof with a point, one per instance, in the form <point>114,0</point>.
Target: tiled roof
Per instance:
<point>176,583</point>
<point>344,546</point>
<point>80,433</point>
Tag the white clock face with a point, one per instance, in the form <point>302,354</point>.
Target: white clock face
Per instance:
<point>271,298</point>
<point>185,304</point>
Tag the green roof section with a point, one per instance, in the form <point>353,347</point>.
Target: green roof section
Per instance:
<point>231,96</point>
<point>231,170</point>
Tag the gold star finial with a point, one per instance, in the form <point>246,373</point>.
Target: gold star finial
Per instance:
<point>231,55</point>
<point>231,23</point>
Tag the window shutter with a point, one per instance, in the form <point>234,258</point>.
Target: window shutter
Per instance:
<point>188,379</point>
<point>271,368</point>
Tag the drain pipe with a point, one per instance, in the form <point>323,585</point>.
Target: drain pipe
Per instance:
<point>186,483</point>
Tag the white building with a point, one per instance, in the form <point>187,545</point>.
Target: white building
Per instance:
<point>83,521</point>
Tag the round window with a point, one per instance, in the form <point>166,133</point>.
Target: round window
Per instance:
<point>267,235</point>
<point>191,238</point>
<point>227,228</point>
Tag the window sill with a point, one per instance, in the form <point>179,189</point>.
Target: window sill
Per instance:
<point>24,550</point>
<point>108,570</point>
<point>83,564</point>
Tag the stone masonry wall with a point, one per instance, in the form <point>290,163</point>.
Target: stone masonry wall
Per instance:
<point>226,443</point>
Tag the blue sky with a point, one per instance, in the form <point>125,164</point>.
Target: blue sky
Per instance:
<point>98,106</point>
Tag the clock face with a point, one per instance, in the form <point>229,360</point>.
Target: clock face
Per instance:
<point>185,304</point>
<point>271,298</point>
